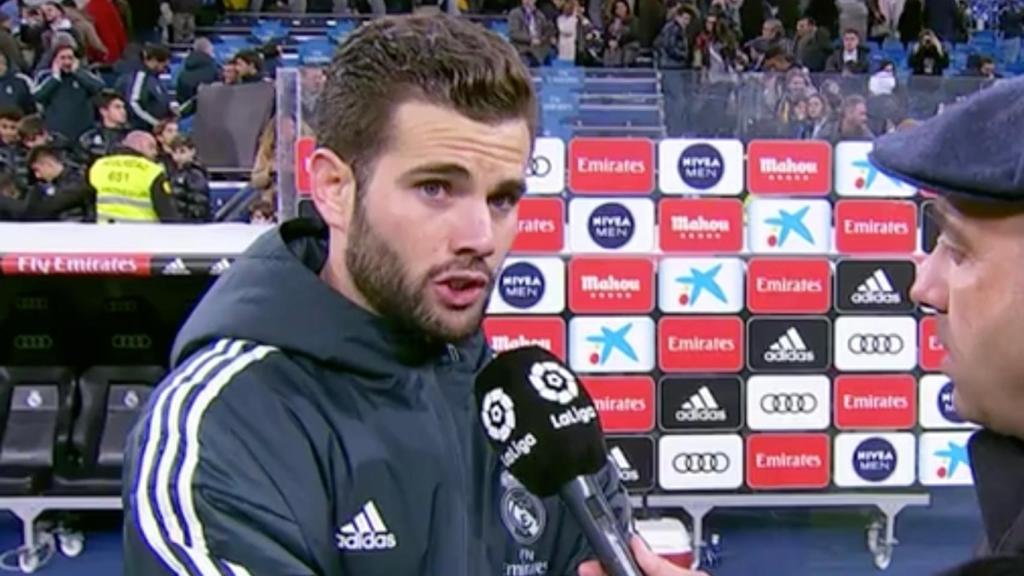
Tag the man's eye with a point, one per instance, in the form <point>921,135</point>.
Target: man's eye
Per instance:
<point>955,253</point>
<point>504,202</point>
<point>434,189</point>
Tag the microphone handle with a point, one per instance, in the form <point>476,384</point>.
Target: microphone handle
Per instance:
<point>588,505</point>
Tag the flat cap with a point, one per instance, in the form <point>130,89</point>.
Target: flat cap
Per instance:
<point>973,149</point>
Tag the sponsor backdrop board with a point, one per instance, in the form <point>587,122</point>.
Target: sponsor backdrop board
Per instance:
<point>741,314</point>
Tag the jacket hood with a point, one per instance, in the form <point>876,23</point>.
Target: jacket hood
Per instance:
<point>273,294</point>
<point>198,60</point>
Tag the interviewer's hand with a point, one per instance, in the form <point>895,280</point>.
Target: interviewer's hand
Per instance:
<point>649,562</point>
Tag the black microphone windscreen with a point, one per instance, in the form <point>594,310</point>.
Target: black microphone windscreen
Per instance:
<point>540,419</point>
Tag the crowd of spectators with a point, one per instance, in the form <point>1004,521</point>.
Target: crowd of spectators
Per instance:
<point>83,80</point>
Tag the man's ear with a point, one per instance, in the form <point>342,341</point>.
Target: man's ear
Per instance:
<point>333,188</point>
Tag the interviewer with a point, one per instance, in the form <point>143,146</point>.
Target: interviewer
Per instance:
<point>972,156</point>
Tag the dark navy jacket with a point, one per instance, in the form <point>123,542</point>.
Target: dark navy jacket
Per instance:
<point>299,434</point>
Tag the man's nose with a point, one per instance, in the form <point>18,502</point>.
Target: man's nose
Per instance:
<point>929,287</point>
<point>473,229</point>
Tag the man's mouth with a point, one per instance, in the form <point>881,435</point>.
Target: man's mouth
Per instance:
<point>461,289</point>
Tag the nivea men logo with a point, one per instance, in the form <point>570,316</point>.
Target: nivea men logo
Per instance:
<point>701,166</point>
<point>521,285</point>
<point>785,344</point>
<point>874,285</point>
<point>875,459</point>
<point>611,225</point>
<point>945,404</point>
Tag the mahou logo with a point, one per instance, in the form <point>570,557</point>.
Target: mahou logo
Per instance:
<point>790,167</point>
<point>505,334</point>
<point>789,285</point>
<point>875,402</point>
<point>701,225</point>
<point>700,344</point>
<point>611,165</point>
<point>876,227</point>
<point>541,226</point>
<point>611,285</point>
<point>788,460</point>
<point>932,351</point>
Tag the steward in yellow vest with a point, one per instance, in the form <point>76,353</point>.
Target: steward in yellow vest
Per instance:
<point>130,186</point>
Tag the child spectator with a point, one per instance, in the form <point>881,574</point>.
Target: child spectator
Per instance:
<point>189,181</point>
<point>61,192</point>
<point>262,212</point>
<point>112,129</point>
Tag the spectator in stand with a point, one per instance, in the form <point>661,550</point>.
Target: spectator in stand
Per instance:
<point>200,68</point>
<point>819,117</point>
<point>110,27</point>
<point>10,47</point>
<point>983,67</point>
<point>928,57</point>
<point>165,133</point>
<point>61,192</point>
<point>113,127</point>
<point>773,35</point>
<point>183,21</point>
<point>753,14</point>
<point>131,186</point>
<point>229,73</point>
<point>573,29</point>
<point>852,59</point>
<point>622,44</point>
<point>531,33</point>
<point>148,101</point>
<point>55,22</point>
<point>189,181</point>
<point>11,151</point>
<point>853,121</point>
<point>673,54</point>
<point>249,65</point>
<point>891,12</point>
<point>813,45</point>
<point>261,212</point>
<point>66,95</point>
<point>15,88</point>
<point>95,50</point>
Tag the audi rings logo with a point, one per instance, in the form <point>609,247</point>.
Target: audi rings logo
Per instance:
<point>498,415</point>
<point>793,403</point>
<point>875,344</point>
<point>33,342</point>
<point>131,342</point>
<point>701,463</point>
<point>538,167</point>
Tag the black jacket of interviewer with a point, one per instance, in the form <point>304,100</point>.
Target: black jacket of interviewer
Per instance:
<point>299,434</point>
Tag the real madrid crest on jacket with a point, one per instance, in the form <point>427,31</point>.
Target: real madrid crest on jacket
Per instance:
<point>376,464</point>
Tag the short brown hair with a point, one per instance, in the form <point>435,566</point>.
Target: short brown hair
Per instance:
<point>438,59</point>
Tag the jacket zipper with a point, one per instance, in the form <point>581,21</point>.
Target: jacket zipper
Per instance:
<point>449,425</point>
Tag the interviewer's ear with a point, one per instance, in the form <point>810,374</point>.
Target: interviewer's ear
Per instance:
<point>333,188</point>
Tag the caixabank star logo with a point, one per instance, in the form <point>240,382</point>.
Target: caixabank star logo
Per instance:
<point>789,226</point>
<point>700,285</point>
<point>611,344</point>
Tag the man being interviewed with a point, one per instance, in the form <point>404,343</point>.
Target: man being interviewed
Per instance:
<point>319,418</point>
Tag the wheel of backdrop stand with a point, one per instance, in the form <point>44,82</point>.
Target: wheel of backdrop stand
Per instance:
<point>873,536</point>
<point>883,556</point>
<point>71,543</point>
<point>28,561</point>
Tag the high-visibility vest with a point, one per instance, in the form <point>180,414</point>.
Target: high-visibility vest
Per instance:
<point>123,184</point>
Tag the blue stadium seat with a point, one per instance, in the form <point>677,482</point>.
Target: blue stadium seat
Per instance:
<point>340,29</point>
<point>266,31</point>
<point>221,192</point>
<point>620,115</point>
<point>227,46</point>
<point>316,53</point>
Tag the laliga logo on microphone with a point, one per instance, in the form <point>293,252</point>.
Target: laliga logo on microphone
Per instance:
<point>499,418</point>
<point>556,384</point>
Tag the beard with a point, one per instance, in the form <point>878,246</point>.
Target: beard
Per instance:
<point>380,276</point>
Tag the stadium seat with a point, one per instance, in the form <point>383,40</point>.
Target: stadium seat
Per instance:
<point>266,31</point>
<point>34,419</point>
<point>109,399</point>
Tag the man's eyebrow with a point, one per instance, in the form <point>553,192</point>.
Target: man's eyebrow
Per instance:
<point>947,222</point>
<point>449,169</point>
<point>514,187</point>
